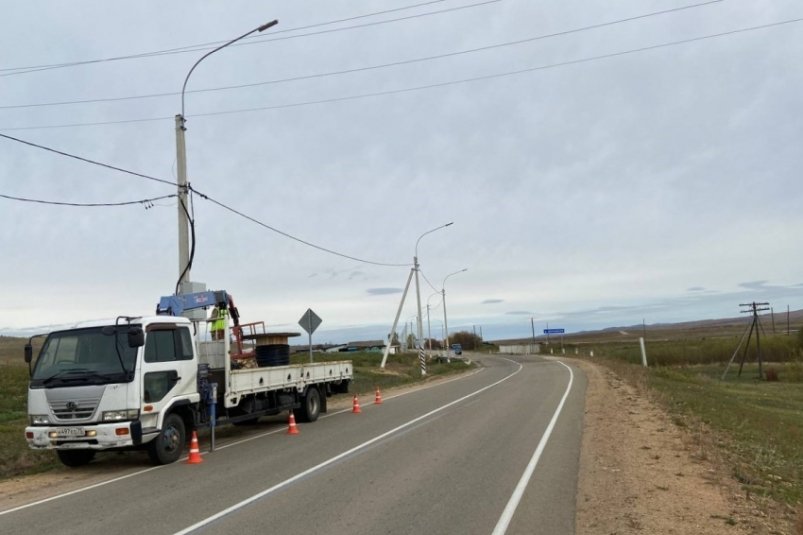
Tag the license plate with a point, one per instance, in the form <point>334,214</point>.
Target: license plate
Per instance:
<point>70,431</point>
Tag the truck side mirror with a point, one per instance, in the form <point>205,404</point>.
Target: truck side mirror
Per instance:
<point>136,337</point>
<point>28,353</point>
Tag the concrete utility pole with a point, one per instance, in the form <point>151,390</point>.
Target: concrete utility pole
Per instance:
<point>396,320</point>
<point>429,325</point>
<point>183,212</point>
<point>182,183</point>
<point>420,325</point>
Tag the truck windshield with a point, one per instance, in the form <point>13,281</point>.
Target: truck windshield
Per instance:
<point>85,356</point>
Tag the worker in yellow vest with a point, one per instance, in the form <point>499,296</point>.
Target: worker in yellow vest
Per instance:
<point>218,320</point>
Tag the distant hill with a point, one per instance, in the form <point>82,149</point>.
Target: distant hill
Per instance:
<point>725,327</point>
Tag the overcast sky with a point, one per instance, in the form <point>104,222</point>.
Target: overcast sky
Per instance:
<point>594,177</point>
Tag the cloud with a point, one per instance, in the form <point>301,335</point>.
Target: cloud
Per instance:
<point>754,285</point>
<point>594,145</point>
<point>383,291</point>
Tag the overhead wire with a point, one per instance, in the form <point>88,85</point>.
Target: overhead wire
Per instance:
<point>12,71</point>
<point>290,236</point>
<point>191,220</point>
<point>426,279</point>
<point>86,160</point>
<point>202,195</point>
<point>148,203</point>
<point>369,67</point>
<point>447,83</point>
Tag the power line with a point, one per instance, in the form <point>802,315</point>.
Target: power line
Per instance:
<point>147,202</point>
<point>196,48</point>
<point>290,236</point>
<point>429,86</point>
<point>204,196</point>
<point>426,279</point>
<point>86,160</point>
<point>370,67</point>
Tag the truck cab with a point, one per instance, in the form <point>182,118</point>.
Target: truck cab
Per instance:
<point>104,385</point>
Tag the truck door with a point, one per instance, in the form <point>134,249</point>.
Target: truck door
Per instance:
<point>168,371</point>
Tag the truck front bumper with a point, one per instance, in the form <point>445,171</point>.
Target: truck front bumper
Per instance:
<point>92,436</point>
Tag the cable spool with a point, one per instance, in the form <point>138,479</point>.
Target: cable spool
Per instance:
<point>273,355</point>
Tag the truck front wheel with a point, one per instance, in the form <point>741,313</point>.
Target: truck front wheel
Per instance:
<point>75,458</point>
<point>168,446</point>
<point>310,405</point>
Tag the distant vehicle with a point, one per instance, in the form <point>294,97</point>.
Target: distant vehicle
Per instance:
<point>457,349</point>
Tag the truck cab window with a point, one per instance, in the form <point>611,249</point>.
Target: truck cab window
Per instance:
<point>168,345</point>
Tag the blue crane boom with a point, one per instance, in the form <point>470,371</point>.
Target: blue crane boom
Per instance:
<point>175,305</point>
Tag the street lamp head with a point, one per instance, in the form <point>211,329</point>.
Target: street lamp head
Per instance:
<point>267,25</point>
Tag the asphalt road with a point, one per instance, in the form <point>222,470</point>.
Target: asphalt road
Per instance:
<point>451,458</point>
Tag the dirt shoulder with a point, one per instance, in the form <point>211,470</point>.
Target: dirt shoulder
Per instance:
<point>641,473</point>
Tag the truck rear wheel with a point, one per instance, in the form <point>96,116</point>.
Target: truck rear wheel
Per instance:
<point>168,446</point>
<point>75,458</point>
<point>310,405</point>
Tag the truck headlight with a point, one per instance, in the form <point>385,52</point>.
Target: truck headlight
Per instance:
<point>39,419</point>
<point>119,416</point>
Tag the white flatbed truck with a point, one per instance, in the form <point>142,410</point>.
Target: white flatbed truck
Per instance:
<point>145,382</point>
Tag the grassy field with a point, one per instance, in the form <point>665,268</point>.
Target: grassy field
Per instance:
<point>752,425</point>
<point>17,459</point>
<point>758,425</point>
<point>701,350</point>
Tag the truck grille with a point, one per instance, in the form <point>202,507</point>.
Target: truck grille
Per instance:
<point>73,410</point>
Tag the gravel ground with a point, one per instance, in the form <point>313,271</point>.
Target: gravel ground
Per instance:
<point>640,473</point>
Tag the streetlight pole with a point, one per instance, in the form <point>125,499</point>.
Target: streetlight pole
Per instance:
<point>429,326</point>
<point>445,322</point>
<point>181,168</point>
<point>420,326</point>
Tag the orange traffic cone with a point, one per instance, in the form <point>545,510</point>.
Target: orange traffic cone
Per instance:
<point>292,429</point>
<point>195,452</point>
<point>356,406</point>
<point>378,397</point>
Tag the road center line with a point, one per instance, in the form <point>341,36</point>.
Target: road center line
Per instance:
<point>518,492</point>
<point>340,456</point>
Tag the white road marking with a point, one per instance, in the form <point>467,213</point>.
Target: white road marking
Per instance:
<point>76,491</point>
<point>518,492</point>
<point>336,458</point>
<point>261,435</point>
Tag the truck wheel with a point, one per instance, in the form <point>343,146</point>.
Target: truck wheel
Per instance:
<point>168,446</point>
<point>75,458</point>
<point>310,405</point>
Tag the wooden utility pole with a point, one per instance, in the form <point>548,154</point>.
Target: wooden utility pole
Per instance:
<point>753,308</point>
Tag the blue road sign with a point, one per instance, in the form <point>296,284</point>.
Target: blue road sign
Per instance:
<point>554,331</point>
